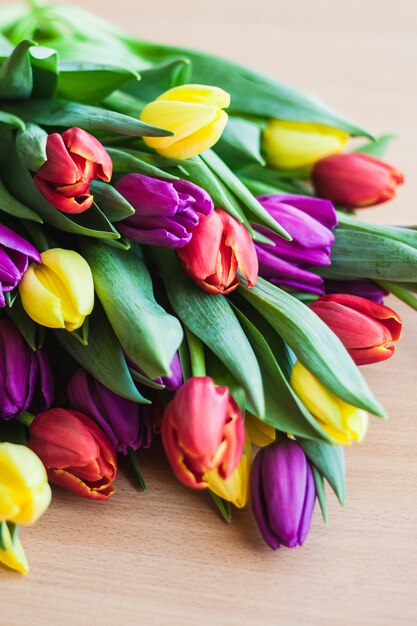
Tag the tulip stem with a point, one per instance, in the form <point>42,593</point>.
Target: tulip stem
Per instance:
<point>134,463</point>
<point>223,506</point>
<point>198,363</point>
<point>25,418</point>
<point>401,293</point>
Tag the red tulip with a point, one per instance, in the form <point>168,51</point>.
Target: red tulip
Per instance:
<point>220,245</point>
<point>74,159</point>
<point>76,453</point>
<point>202,430</point>
<point>364,327</point>
<point>355,180</point>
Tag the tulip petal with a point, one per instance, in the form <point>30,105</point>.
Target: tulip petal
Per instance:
<point>76,485</point>
<point>200,255</point>
<point>82,143</point>
<point>43,306</point>
<point>238,238</point>
<point>60,202</point>
<point>259,504</point>
<point>203,94</point>
<point>59,168</point>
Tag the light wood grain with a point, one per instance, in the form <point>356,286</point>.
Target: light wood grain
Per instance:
<point>165,557</point>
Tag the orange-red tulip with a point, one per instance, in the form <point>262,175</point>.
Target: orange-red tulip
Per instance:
<point>202,430</point>
<point>220,245</point>
<point>76,453</point>
<point>365,328</point>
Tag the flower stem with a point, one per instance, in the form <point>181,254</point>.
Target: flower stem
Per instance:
<point>134,464</point>
<point>198,363</point>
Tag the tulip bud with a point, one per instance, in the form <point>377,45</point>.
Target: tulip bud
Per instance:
<point>193,113</point>
<point>171,382</point>
<point>361,287</point>
<point>76,453</point>
<point>127,424</point>
<point>60,292</point>
<point>364,327</point>
<point>74,159</point>
<point>295,145</point>
<point>235,489</point>
<point>202,431</point>
<point>219,247</point>
<point>11,551</point>
<point>340,420</point>
<point>310,222</point>
<point>15,253</point>
<point>355,180</point>
<point>283,494</point>
<point>24,491</point>
<point>22,370</point>
<point>167,212</point>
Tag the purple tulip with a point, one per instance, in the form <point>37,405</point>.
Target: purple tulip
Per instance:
<point>172,382</point>
<point>24,374</point>
<point>363,288</point>
<point>126,423</point>
<point>310,222</point>
<point>283,494</point>
<point>15,253</point>
<point>165,211</point>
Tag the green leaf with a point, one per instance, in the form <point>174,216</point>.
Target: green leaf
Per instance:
<point>378,147</point>
<point>113,205</point>
<point>252,93</point>
<point>26,326</point>
<point>330,462</point>
<point>31,146</point>
<point>400,292</point>
<point>9,204</point>
<point>223,506</point>
<point>126,163</point>
<point>283,409</point>
<point>103,356</point>
<point>212,319</point>
<point>359,254</point>
<point>44,63</point>
<point>16,81</point>
<point>321,494</point>
<point>67,114</point>
<point>314,344</point>
<point>91,83</point>
<point>147,333</point>
<point>407,235</point>
<point>160,78</point>
<point>240,143</point>
<point>9,122</point>
<point>254,209</point>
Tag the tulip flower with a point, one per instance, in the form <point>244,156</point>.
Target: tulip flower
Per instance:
<point>127,424</point>
<point>15,253</point>
<point>355,180</point>
<point>74,159</point>
<point>219,247</point>
<point>11,551</point>
<point>310,222</point>
<point>340,420</point>
<point>235,489</point>
<point>22,371</point>
<point>171,382</point>
<point>364,327</point>
<point>202,431</point>
<point>24,490</point>
<point>60,292</point>
<point>193,113</point>
<point>260,433</point>
<point>76,453</point>
<point>166,212</point>
<point>296,145</point>
<point>361,287</point>
<point>283,494</point>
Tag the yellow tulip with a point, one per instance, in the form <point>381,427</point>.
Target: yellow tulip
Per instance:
<point>60,292</point>
<point>340,420</point>
<point>193,113</point>
<point>24,490</point>
<point>260,433</point>
<point>295,145</point>
<point>235,489</point>
<point>11,552</point>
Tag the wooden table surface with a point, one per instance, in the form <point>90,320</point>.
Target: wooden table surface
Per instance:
<point>165,557</point>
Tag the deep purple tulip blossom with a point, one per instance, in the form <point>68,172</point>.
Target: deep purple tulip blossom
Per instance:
<point>283,494</point>
<point>360,287</point>
<point>165,211</point>
<point>126,423</point>
<point>15,254</point>
<point>24,374</point>
<point>310,222</point>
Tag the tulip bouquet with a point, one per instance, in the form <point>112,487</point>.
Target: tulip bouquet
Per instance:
<point>181,256</point>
